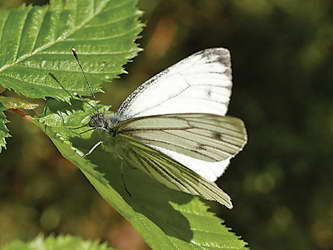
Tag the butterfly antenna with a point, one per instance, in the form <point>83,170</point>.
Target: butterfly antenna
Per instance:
<point>74,52</point>
<point>84,74</point>
<point>69,93</point>
<point>62,86</point>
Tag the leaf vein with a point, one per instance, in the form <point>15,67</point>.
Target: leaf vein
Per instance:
<point>19,40</point>
<point>33,47</point>
<point>3,27</point>
<point>112,22</point>
<point>36,84</point>
<point>90,53</point>
<point>103,38</point>
<point>49,44</point>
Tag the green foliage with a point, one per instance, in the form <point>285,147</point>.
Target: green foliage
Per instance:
<point>35,41</point>
<point>4,132</point>
<point>281,184</point>
<point>16,103</point>
<point>166,219</point>
<point>56,243</point>
<point>10,103</point>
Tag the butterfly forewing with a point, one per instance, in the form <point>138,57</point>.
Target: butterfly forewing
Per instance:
<point>200,83</point>
<point>204,137</point>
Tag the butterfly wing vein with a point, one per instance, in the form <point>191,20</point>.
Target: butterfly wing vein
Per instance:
<point>205,137</point>
<point>173,174</point>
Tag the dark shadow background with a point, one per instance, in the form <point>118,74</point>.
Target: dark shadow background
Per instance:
<point>281,184</point>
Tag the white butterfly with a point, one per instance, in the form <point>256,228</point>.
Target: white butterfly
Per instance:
<point>174,128</point>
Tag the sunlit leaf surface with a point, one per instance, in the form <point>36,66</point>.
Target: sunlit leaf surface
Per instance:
<point>36,41</point>
<point>166,219</point>
<point>56,243</point>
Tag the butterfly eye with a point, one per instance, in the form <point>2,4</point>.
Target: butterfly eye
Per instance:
<point>92,123</point>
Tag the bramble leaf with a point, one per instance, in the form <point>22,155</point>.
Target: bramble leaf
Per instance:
<point>166,219</point>
<point>36,41</point>
<point>15,103</point>
<point>4,132</point>
<point>56,243</point>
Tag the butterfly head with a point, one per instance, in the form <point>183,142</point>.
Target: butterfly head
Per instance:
<point>97,121</point>
<point>107,122</point>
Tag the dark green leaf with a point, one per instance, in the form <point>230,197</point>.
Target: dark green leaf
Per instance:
<point>15,103</point>
<point>56,243</point>
<point>4,132</point>
<point>36,41</point>
<point>166,219</point>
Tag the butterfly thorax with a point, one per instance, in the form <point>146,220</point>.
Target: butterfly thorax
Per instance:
<point>117,145</point>
<point>106,122</point>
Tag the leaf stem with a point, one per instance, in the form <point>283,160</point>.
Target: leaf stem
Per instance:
<point>22,114</point>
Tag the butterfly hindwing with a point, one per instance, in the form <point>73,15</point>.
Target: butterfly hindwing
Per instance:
<point>173,174</point>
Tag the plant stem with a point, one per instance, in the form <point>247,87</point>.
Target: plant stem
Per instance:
<point>22,114</point>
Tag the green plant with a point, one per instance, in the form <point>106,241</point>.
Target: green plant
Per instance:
<point>36,41</point>
<point>56,243</point>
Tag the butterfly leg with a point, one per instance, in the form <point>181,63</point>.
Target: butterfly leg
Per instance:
<point>62,118</point>
<point>93,148</point>
<point>123,179</point>
<point>45,111</point>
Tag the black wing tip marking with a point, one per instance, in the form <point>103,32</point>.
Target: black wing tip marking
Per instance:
<point>216,51</point>
<point>220,55</point>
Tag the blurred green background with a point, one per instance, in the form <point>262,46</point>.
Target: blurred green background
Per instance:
<point>281,184</point>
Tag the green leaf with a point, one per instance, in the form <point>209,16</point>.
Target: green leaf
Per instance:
<point>4,132</point>
<point>166,219</point>
<point>36,41</point>
<point>56,243</point>
<point>10,103</point>
<point>15,103</point>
